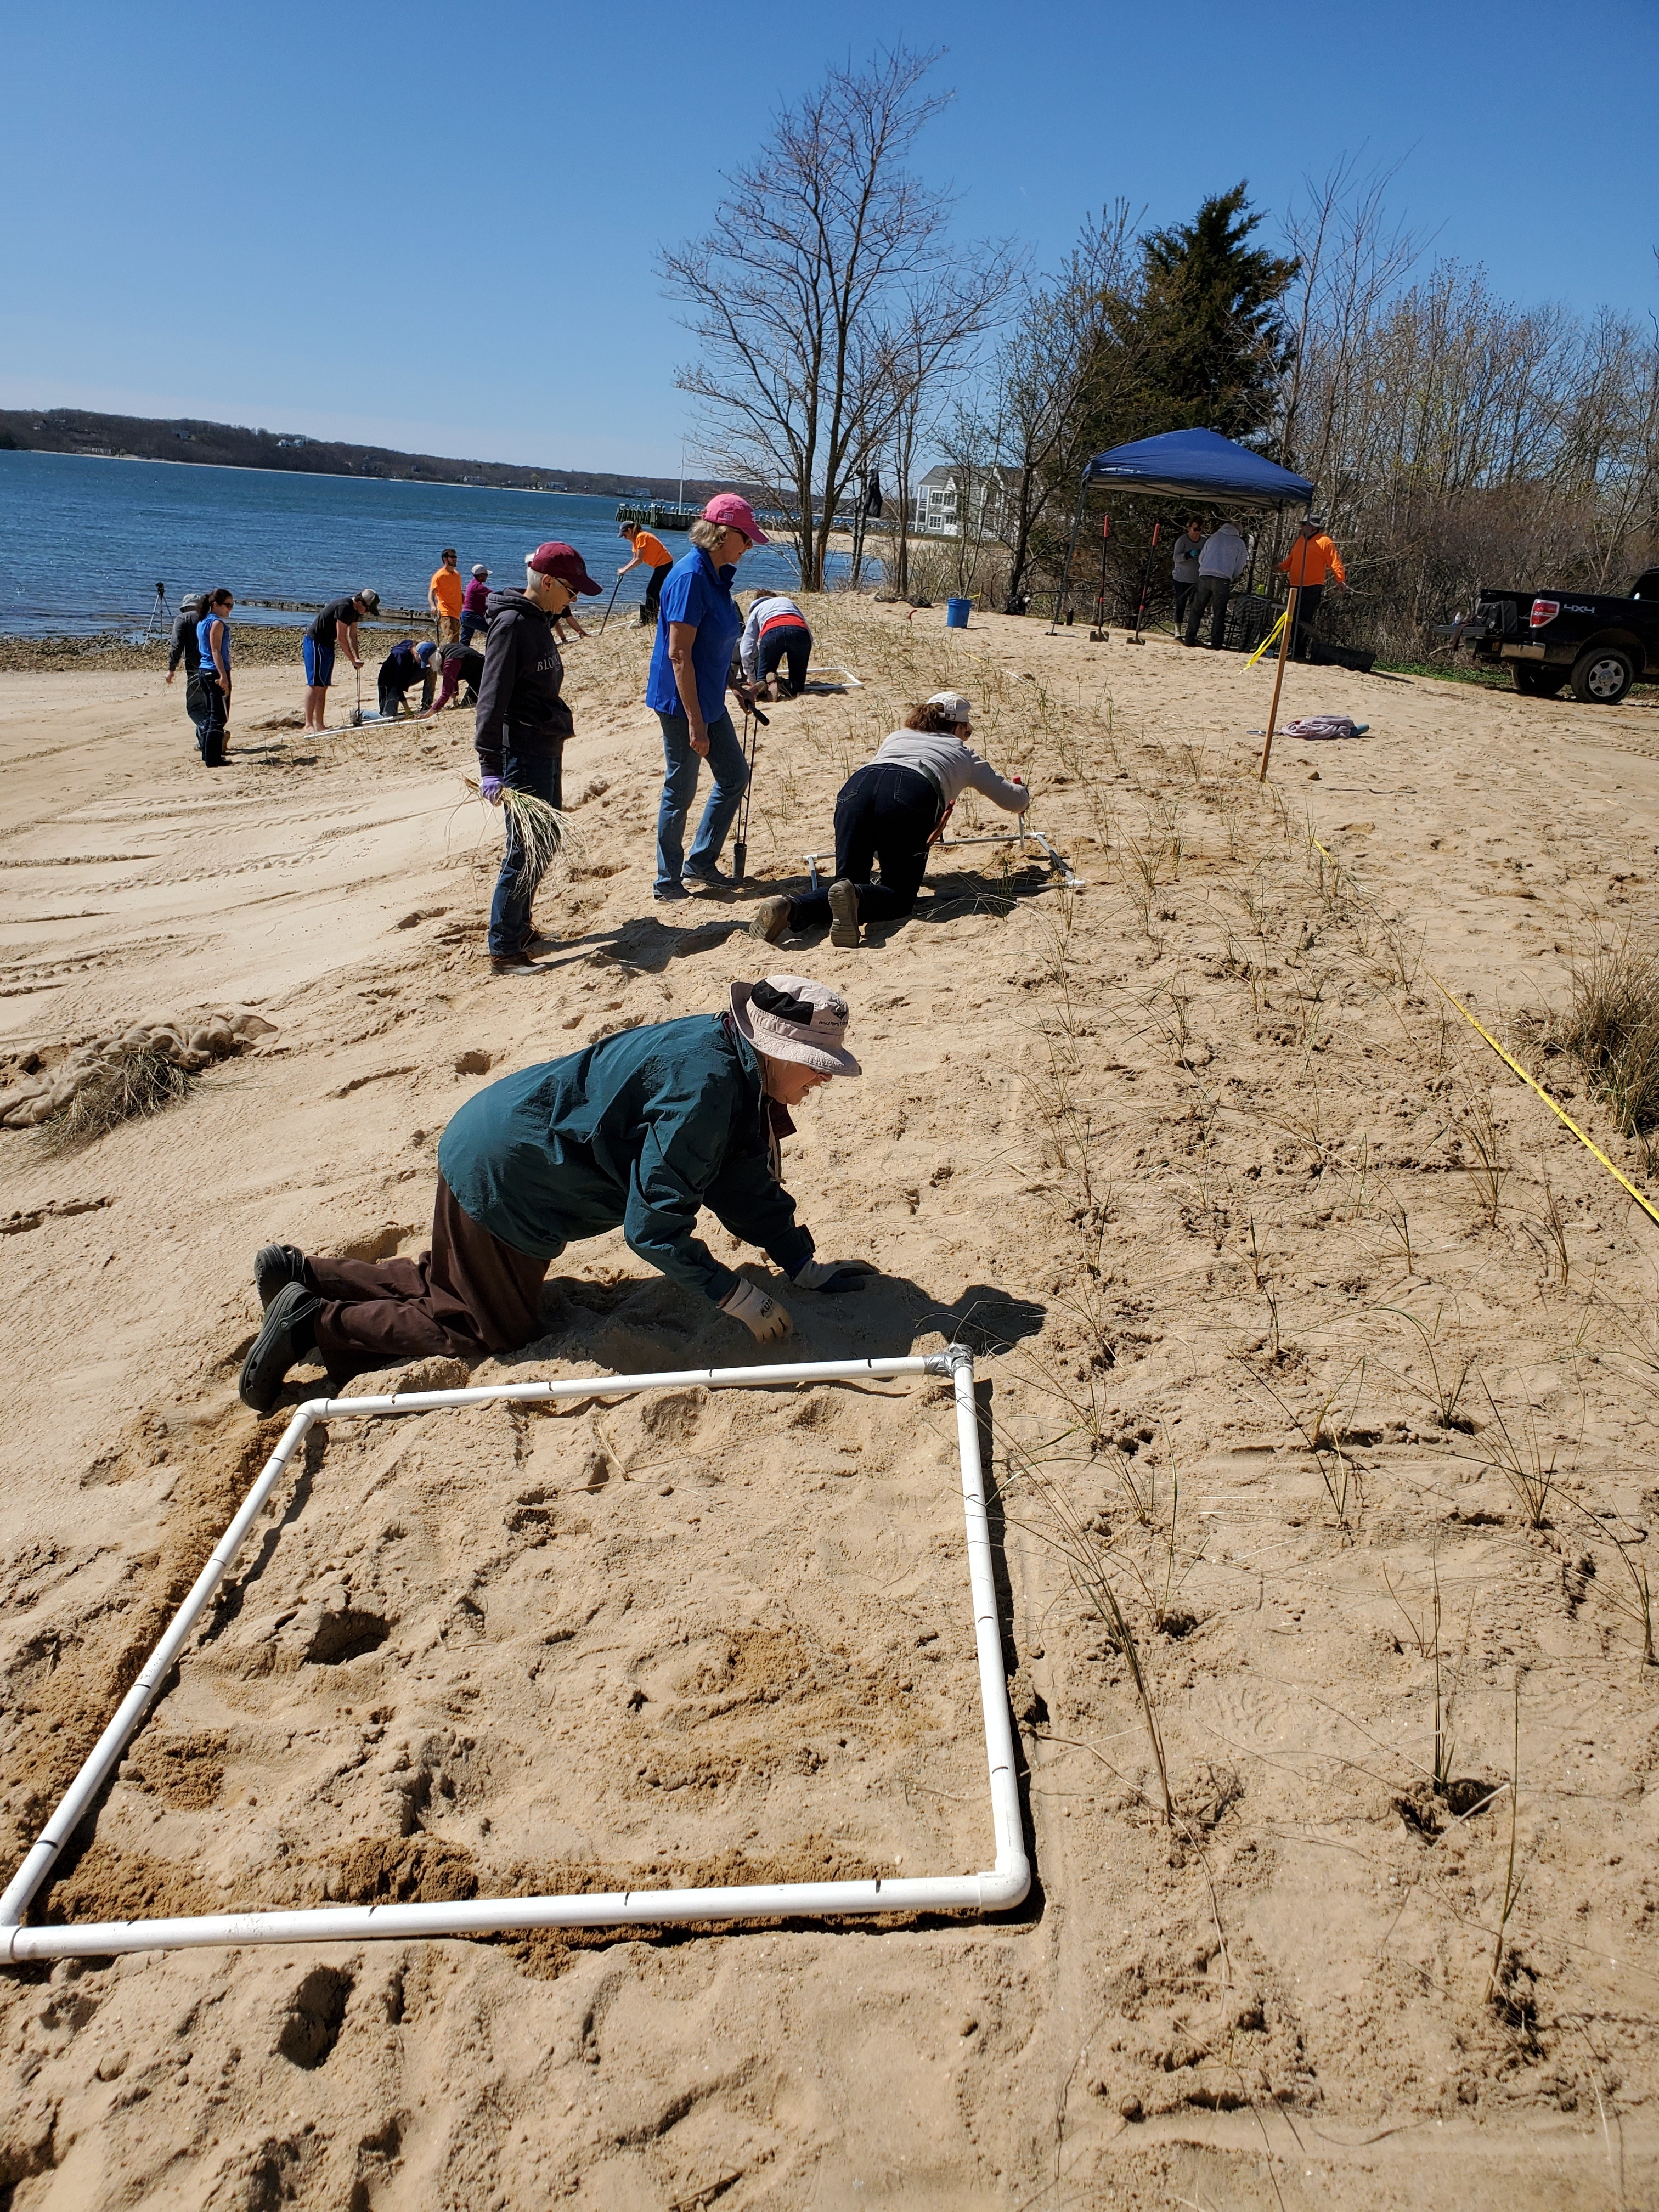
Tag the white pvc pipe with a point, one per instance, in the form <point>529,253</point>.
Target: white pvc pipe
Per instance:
<point>995,1891</point>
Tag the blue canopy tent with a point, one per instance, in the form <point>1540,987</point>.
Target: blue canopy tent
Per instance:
<point>1197,464</point>
<point>1200,464</point>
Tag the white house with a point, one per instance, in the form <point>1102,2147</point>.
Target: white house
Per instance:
<point>939,507</point>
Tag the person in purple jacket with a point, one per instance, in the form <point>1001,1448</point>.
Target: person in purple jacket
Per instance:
<point>474,599</point>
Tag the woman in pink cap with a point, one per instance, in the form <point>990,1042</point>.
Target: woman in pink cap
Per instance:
<point>701,624</point>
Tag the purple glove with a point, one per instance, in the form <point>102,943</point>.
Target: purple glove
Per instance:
<point>491,787</point>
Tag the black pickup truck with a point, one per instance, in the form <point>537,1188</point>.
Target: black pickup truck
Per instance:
<point>1600,646</point>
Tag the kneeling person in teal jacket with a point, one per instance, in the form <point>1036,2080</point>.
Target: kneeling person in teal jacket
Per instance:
<point>638,1133</point>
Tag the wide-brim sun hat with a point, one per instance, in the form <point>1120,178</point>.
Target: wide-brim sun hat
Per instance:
<point>735,512</point>
<point>793,1018</point>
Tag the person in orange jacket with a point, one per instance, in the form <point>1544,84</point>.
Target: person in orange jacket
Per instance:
<point>1311,560</point>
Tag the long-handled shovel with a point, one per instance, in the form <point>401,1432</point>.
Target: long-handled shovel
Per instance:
<point>610,603</point>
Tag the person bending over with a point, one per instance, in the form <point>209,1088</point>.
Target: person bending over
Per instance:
<point>640,1132</point>
<point>889,812</point>
<point>775,636</point>
<point>523,722</point>
<point>649,552</point>
<point>337,620</point>
<point>458,666</point>
<point>403,667</point>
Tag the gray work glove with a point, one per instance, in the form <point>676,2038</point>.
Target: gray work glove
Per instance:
<point>832,1276</point>
<point>763,1316</point>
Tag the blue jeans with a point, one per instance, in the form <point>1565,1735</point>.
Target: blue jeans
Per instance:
<point>516,887</point>
<point>679,788</point>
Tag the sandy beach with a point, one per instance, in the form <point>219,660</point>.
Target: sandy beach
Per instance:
<point>1272,1266</point>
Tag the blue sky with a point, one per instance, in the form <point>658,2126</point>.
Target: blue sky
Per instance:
<point>431,226</point>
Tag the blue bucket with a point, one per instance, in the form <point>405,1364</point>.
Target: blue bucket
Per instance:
<point>956,613</point>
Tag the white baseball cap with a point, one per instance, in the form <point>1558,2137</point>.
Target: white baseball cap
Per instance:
<point>954,705</point>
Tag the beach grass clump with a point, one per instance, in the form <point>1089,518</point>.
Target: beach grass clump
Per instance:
<point>544,831</point>
<point>1614,1028</point>
<point>131,1087</point>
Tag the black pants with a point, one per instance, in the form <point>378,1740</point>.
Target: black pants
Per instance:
<point>1182,593</point>
<point>649,611</point>
<point>204,697</point>
<point>792,643</point>
<point>1211,592</point>
<point>885,815</point>
<point>1306,614</point>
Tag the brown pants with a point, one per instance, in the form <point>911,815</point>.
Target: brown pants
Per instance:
<point>469,1295</point>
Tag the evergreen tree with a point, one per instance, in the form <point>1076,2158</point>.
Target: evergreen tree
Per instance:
<point>1211,301</point>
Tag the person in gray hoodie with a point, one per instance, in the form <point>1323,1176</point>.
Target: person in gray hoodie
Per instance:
<point>889,812</point>
<point>1222,560</point>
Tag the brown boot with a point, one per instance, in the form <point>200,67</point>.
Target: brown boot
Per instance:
<point>771,920</point>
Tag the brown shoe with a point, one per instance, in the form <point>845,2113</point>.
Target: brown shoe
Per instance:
<point>514,964</point>
<point>844,911</point>
<point>771,920</point>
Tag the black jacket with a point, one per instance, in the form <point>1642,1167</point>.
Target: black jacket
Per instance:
<point>184,645</point>
<point>519,700</point>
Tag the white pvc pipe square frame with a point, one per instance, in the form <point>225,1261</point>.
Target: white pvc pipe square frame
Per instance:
<point>1003,1885</point>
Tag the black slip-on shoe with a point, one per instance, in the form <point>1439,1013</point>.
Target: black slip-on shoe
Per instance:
<point>275,1266</point>
<point>844,912</point>
<point>284,1338</point>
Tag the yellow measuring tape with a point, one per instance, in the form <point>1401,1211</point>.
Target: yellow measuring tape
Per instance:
<point>1511,1062</point>
<point>1256,656</point>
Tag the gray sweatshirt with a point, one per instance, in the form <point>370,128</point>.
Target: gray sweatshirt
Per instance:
<point>762,611</point>
<point>1184,565</point>
<point>951,766</point>
<point>1224,554</point>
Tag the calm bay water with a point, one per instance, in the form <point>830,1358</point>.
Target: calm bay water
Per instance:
<point>83,543</point>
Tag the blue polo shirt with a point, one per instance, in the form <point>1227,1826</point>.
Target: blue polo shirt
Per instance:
<point>695,591</point>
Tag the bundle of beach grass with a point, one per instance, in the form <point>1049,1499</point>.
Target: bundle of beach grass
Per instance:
<point>544,834</point>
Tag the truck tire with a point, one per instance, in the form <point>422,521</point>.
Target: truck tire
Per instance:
<point>1535,682</point>
<point>1602,674</point>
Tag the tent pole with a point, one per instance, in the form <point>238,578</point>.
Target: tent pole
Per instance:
<point>1061,589</point>
<point>1145,574</point>
<point>1289,632</point>
<point>1099,630</point>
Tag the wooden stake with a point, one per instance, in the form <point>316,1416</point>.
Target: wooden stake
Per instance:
<point>1278,678</point>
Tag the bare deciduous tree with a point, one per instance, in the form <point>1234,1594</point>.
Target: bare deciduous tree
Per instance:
<point>827,278</point>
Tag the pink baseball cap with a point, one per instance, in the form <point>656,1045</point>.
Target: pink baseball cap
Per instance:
<point>737,514</point>
<point>556,558</point>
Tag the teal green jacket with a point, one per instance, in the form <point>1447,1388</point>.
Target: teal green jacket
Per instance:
<point>638,1133</point>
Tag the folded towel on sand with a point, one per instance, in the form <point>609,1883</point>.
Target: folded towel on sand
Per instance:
<point>1325,725</point>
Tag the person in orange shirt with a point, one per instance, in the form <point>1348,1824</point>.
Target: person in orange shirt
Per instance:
<point>1312,558</point>
<point>656,556</point>
<point>444,594</point>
